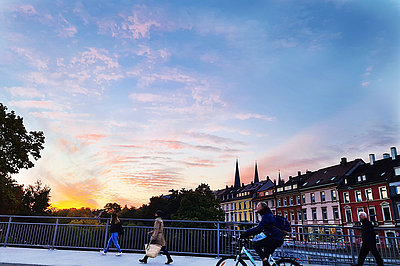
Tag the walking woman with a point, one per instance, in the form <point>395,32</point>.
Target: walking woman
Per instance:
<point>116,228</point>
<point>157,237</point>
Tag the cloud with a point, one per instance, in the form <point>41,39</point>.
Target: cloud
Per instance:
<point>24,92</point>
<point>65,28</point>
<point>34,104</point>
<point>147,97</point>
<point>365,83</point>
<point>34,59</point>
<point>256,116</point>
<point>95,137</point>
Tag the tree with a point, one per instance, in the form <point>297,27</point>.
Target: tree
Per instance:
<point>200,205</point>
<point>36,199</point>
<point>17,146</point>
<point>11,195</point>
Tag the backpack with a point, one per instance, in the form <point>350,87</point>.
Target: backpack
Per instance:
<point>283,224</point>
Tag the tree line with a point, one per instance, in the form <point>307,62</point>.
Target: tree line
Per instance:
<point>20,148</point>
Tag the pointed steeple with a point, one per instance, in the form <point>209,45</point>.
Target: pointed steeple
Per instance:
<point>256,179</point>
<point>279,178</point>
<point>237,176</point>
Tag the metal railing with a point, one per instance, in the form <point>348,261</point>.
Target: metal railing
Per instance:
<point>310,244</point>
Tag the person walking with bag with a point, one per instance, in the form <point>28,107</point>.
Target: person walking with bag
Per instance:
<point>115,230</point>
<point>368,237</point>
<point>157,237</point>
<point>268,236</point>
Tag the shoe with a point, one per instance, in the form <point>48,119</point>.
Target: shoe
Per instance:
<point>169,261</point>
<point>266,263</point>
<point>143,260</point>
<point>102,252</point>
<point>118,254</point>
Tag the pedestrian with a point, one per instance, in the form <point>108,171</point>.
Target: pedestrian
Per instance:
<point>273,235</point>
<point>368,237</point>
<point>115,230</point>
<point>157,237</point>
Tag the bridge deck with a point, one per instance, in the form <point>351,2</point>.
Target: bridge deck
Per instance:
<point>33,256</point>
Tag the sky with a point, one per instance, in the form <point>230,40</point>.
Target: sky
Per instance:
<point>139,97</point>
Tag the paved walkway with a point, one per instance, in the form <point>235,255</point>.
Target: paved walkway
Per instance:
<point>31,256</point>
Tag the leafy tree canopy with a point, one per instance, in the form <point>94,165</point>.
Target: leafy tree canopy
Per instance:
<point>17,146</point>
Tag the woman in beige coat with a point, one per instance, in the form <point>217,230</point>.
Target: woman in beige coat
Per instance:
<point>157,237</point>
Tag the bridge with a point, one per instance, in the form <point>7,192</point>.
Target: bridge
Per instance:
<point>49,240</point>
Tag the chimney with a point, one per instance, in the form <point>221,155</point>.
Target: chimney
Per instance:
<point>267,177</point>
<point>393,152</point>
<point>242,184</point>
<point>386,155</point>
<point>343,160</point>
<point>372,159</point>
<point>299,173</point>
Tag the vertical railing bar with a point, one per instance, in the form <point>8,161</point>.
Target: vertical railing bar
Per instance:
<point>106,234</point>
<point>55,235</point>
<point>8,230</point>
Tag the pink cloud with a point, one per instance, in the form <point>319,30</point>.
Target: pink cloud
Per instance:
<point>34,104</point>
<point>95,137</point>
<point>27,9</point>
<point>365,83</point>
<point>24,92</point>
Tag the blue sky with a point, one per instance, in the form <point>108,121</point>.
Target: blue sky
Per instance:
<point>138,97</point>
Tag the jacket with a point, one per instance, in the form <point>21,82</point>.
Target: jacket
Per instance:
<point>368,234</point>
<point>116,228</point>
<point>157,234</point>
<point>266,225</point>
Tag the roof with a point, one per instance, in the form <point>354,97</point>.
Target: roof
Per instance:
<point>330,175</point>
<point>267,185</point>
<point>381,171</point>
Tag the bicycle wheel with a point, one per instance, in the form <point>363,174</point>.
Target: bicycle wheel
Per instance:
<point>287,262</point>
<point>231,261</point>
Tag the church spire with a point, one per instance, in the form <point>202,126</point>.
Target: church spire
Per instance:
<point>237,176</point>
<point>256,179</point>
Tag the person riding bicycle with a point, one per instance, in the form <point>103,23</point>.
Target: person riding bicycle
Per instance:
<point>274,237</point>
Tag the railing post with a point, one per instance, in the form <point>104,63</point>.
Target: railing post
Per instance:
<point>106,235</point>
<point>353,258</point>
<point>55,235</point>
<point>8,230</point>
<point>218,239</point>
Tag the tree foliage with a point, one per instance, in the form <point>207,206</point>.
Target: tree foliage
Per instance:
<point>11,195</point>
<point>36,199</point>
<point>17,146</point>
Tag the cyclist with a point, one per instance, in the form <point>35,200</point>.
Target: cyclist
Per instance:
<point>274,238</point>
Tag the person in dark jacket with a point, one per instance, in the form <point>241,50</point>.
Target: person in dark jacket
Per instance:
<point>274,239</point>
<point>115,230</point>
<point>368,237</point>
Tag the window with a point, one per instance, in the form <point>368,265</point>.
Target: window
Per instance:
<point>273,203</point>
<point>333,192</point>
<point>335,213</point>
<point>358,195</point>
<point>348,215</point>
<point>324,214</point>
<point>280,213</point>
<point>312,198</point>
<point>285,214</point>
<point>358,213</point>
<point>397,170</point>
<point>291,201</point>
<point>299,214</point>
<point>364,178</point>
<point>292,216</point>
<point>359,178</point>
<point>298,200</point>
<point>245,216</point>
<point>372,215</point>
<point>304,199</point>
<point>333,178</point>
<point>346,197</point>
<point>345,181</point>
<point>368,194</point>
<point>322,196</point>
<point>386,213</point>
<point>314,213</point>
<point>240,217</point>
<point>398,190</point>
<point>279,202</point>
<point>294,186</point>
<point>317,182</point>
<point>383,192</point>
<point>284,202</point>
<point>305,214</point>
<point>240,205</point>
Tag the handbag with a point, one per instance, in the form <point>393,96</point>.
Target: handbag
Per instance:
<point>259,237</point>
<point>152,250</point>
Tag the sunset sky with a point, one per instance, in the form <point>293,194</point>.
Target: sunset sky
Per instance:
<point>139,97</point>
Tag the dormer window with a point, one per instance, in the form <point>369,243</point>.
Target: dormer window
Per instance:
<point>319,180</point>
<point>305,184</point>
<point>364,178</point>
<point>397,170</point>
<point>333,178</point>
<point>345,181</point>
<point>383,174</point>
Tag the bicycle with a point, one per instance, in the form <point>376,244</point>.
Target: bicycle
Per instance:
<point>238,259</point>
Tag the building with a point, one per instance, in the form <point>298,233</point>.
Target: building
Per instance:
<point>264,193</point>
